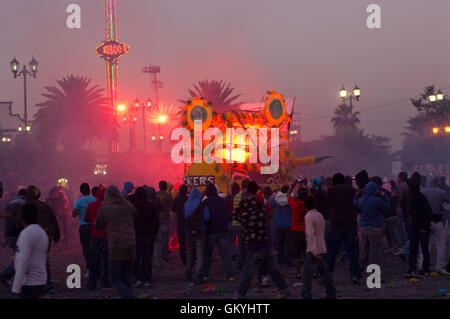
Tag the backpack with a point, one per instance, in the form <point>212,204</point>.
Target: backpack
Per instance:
<point>195,221</point>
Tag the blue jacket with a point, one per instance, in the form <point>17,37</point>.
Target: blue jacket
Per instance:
<point>194,199</point>
<point>371,206</point>
<point>282,215</point>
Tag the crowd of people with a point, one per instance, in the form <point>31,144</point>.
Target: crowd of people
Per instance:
<point>256,230</point>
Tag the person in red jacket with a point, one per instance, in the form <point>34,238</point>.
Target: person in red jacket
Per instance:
<point>298,238</point>
<point>99,249</point>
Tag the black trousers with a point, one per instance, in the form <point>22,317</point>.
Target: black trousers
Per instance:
<point>85,240</point>
<point>144,259</point>
<point>99,263</point>
<point>32,292</point>
<point>416,237</point>
<point>182,244</point>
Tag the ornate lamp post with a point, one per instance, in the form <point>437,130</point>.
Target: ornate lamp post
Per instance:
<point>355,94</point>
<point>15,69</point>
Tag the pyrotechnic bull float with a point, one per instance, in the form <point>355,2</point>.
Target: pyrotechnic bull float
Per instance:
<point>229,143</point>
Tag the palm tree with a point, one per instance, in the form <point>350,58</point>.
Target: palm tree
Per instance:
<point>219,93</point>
<point>345,120</point>
<point>73,114</point>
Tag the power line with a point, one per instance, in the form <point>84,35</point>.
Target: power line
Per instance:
<point>370,108</point>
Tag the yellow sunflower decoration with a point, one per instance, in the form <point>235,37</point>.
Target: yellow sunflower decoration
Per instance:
<point>199,109</point>
<point>275,108</point>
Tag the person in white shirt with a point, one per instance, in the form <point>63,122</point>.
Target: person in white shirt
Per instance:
<point>31,256</point>
<point>315,251</point>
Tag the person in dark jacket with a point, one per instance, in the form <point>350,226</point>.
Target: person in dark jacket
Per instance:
<point>146,226</point>
<point>195,243</point>
<point>419,217</point>
<point>47,220</point>
<point>389,218</point>
<point>343,226</point>
<point>165,225</point>
<point>253,217</point>
<point>178,209</point>
<point>216,231</point>
<point>371,204</point>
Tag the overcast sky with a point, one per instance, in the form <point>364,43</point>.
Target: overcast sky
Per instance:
<point>302,48</point>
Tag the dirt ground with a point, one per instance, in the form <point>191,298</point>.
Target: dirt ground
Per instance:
<point>169,281</point>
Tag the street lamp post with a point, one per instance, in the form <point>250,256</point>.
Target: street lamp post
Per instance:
<point>345,95</point>
<point>435,97</point>
<point>15,66</point>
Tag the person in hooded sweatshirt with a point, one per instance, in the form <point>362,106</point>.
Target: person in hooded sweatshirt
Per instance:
<point>371,205</point>
<point>99,244</point>
<point>343,227</point>
<point>127,189</point>
<point>165,227</point>
<point>116,216</point>
<point>437,197</point>
<point>216,231</point>
<point>283,219</point>
<point>419,215</point>
<point>195,238</point>
<point>146,225</point>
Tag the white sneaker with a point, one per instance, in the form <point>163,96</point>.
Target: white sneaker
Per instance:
<point>265,281</point>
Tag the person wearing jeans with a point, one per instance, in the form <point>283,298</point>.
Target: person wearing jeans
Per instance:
<point>84,230</point>
<point>437,197</point>
<point>315,251</point>
<point>349,238</point>
<point>219,240</point>
<point>283,219</point>
<point>195,237</point>
<point>194,258</point>
<point>99,263</point>
<point>116,216</point>
<point>371,202</point>
<point>99,249</point>
<point>420,216</point>
<point>216,231</point>
<point>342,226</point>
<point>256,260</point>
<point>120,277</point>
<point>252,215</point>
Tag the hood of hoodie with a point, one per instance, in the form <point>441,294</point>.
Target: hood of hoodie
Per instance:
<point>433,181</point>
<point>151,192</point>
<point>127,188</point>
<point>211,190</point>
<point>113,196</point>
<point>371,189</point>
<point>281,199</point>
<point>100,195</point>
<point>193,201</point>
